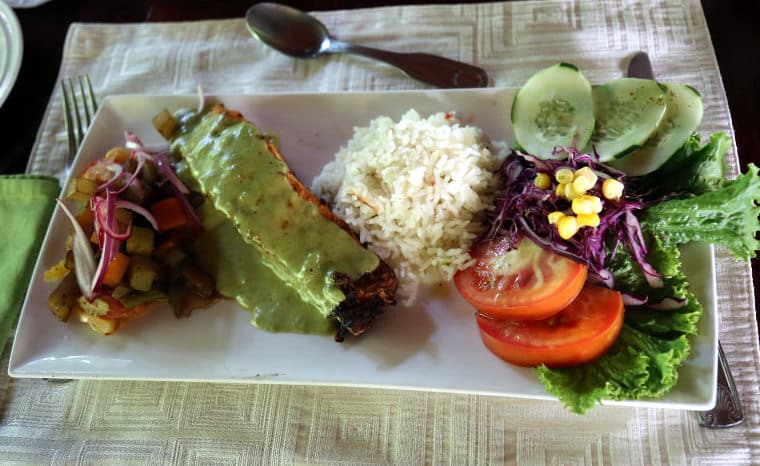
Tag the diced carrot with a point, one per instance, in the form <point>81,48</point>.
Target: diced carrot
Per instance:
<point>116,269</point>
<point>168,214</point>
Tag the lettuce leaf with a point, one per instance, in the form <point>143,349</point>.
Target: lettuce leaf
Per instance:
<point>644,361</point>
<point>694,168</point>
<point>639,365</point>
<point>727,216</point>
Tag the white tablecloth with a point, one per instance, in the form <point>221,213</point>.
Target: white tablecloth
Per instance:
<point>97,422</point>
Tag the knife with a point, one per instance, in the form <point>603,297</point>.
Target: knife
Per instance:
<point>640,66</point>
<point>727,411</point>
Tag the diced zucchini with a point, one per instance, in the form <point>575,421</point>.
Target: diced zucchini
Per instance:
<point>142,273</point>
<point>64,297</point>
<point>150,172</point>
<point>627,111</point>
<point>146,297</point>
<point>121,291</point>
<point>165,123</point>
<point>118,154</point>
<point>140,241</point>
<point>82,189</point>
<point>553,108</point>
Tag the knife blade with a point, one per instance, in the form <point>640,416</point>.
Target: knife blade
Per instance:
<point>640,67</point>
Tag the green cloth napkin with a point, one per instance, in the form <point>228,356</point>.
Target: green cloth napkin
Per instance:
<point>26,204</point>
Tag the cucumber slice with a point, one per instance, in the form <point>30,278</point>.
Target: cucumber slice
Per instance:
<point>627,112</point>
<point>551,109</point>
<point>682,116</point>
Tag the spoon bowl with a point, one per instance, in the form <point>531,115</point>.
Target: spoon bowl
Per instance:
<point>288,30</point>
<point>300,35</point>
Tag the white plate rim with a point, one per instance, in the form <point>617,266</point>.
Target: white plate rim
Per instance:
<point>16,370</point>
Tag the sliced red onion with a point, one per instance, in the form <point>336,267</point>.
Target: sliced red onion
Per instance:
<point>109,245</point>
<point>633,300</point>
<point>139,210</point>
<point>117,170</point>
<point>638,250</point>
<point>163,164</point>
<point>113,180</point>
<point>180,190</point>
<point>133,177</point>
<point>669,304</point>
<point>603,277</point>
<point>132,141</point>
<point>84,259</point>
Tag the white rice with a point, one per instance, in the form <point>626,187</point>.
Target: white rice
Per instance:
<point>416,192</point>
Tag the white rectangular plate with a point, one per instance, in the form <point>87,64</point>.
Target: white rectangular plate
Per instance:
<point>433,345</point>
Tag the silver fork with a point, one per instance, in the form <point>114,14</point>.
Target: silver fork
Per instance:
<point>78,110</point>
<point>727,411</point>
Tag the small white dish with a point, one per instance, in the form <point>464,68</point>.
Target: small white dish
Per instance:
<point>11,50</point>
<point>25,3</point>
<point>433,345</point>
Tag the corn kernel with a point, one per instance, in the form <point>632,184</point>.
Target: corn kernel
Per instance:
<point>555,216</point>
<point>564,175</point>
<point>596,203</point>
<point>582,184</point>
<point>585,179</point>
<point>560,190</point>
<point>542,181</point>
<point>588,220</point>
<point>587,172</point>
<point>612,189</point>
<point>582,206</point>
<point>570,192</point>
<point>567,226</point>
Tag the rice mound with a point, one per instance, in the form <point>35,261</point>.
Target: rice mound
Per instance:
<point>416,192</point>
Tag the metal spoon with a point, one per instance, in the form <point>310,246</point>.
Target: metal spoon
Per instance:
<point>300,35</point>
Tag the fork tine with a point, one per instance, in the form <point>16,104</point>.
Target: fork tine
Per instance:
<point>78,110</point>
<point>91,96</point>
<point>68,120</point>
<point>88,101</point>
<point>78,130</point>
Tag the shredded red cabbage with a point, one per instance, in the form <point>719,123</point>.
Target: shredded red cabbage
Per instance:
<point>522,209</point>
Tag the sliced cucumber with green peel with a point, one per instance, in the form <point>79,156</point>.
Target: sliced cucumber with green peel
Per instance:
<point>627,112</point>
<point>682,116</point>
<point>553,108</point>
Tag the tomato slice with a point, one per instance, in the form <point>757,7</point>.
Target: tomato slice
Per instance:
<point>581,332</point>
<point>527,282</point>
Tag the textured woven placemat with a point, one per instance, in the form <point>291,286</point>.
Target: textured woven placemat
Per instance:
<point>153,422</point>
